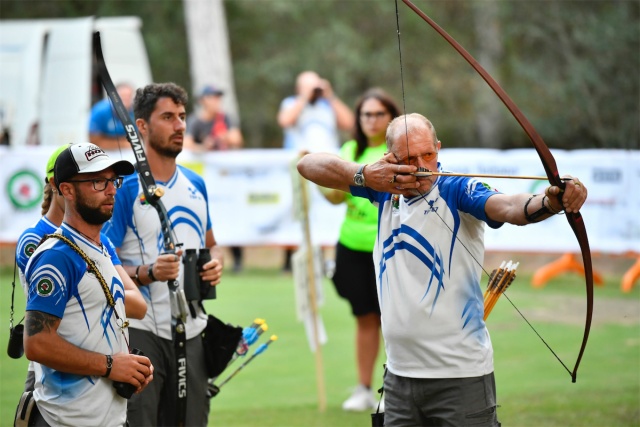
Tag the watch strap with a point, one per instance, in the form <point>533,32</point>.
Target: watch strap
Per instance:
<point>109,365</point>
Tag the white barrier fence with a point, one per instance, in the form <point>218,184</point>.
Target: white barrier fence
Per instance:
<point>251,197</point>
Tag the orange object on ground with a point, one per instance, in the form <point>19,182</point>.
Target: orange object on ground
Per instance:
<point>631,276</point>
<point>566,263</point>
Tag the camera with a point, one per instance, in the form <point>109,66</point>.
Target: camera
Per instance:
<point>317,94</point>
<point>195,288</point>
<point>15,349</point>
<point>123,389</point>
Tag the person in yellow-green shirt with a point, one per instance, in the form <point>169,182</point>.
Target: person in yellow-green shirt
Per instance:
<point>354,276</point>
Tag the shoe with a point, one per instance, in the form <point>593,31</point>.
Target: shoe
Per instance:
<point>362,399</point>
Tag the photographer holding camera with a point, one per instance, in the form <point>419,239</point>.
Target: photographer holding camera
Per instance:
<point>311,118</point>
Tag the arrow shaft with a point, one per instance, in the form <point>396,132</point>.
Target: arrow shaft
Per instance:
<point>480,175</point>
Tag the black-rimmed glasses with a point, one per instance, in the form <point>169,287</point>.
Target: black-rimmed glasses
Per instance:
<point>100,184</point>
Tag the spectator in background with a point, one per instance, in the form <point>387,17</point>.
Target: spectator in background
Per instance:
<point>105,128</point>
<point>311,120</point>
<point>355,277</point>
<point>211,129</point>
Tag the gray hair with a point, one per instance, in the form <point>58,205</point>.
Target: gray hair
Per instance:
<point>408,124</point>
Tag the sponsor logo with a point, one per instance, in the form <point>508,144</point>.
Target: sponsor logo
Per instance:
<point>194,194</point>
<point>93,153</point>
<point>431,207</point>
<point>607,175</point>
<point>182,377</point>
<point>135,142</point>
<point>45,287</point>
<point>24,189</point>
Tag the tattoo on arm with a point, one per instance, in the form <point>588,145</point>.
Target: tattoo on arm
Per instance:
<point>37,321</point>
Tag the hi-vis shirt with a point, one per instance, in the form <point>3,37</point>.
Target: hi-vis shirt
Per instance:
<point>60,285</point>
<point>135,228</point>
<point>428,283</point>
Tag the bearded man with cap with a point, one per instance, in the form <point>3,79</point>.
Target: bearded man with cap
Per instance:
<point>52,211</point>
<point>75,326</point>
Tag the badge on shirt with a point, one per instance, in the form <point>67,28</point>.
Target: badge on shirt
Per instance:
<point>45,287</point>
<point>29,249</point>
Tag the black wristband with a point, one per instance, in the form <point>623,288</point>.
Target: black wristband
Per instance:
<point>537,214</point>
<point>150,273</point>
<point>109,365</point>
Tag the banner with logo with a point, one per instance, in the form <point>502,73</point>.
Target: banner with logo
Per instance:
<point>251,196</point>
<point>22,174</point>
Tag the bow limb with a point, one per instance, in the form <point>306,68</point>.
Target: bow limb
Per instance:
<point>548,161</point>
<point>151,190</point>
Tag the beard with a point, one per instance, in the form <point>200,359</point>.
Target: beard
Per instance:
<point>91,214</point>
<point>164,149</point>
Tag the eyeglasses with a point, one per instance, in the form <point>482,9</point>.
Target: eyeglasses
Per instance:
<point>100,184</point>
<point>427,157</point>
<point>373,115</point>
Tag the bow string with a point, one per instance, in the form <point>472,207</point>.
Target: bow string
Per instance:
<point>548,161</point>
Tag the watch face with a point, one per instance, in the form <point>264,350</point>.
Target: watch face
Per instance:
<point>359,180</point>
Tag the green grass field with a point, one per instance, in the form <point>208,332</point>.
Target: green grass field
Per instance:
<point>279,387</point>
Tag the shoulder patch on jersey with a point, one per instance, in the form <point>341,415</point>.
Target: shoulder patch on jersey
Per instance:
<point>29,249</point>
<point>45,287</point>
<point>488,187</point>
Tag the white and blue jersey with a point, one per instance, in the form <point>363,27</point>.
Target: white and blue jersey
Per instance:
<point>60,285</point>
<point>135,228</point>
<point>315,130</point>
<point>428,283</point>
<point>30,238</point>
<point>27,244</point>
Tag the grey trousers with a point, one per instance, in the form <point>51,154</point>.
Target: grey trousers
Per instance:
<point>156,405</point>
<point>440,402</point>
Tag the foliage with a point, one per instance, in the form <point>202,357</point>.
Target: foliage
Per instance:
<point>572,66</point>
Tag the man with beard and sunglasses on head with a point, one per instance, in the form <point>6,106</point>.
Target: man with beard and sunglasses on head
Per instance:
<point>135,229</point>
<point>428,254</point>
<point>75,324</point>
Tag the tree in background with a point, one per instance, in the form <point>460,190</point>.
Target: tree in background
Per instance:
<point>571,66</point>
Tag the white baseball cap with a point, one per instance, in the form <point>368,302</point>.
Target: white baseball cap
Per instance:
<point>85,158</point>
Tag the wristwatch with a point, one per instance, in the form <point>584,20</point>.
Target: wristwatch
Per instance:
<point>358,178</point>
